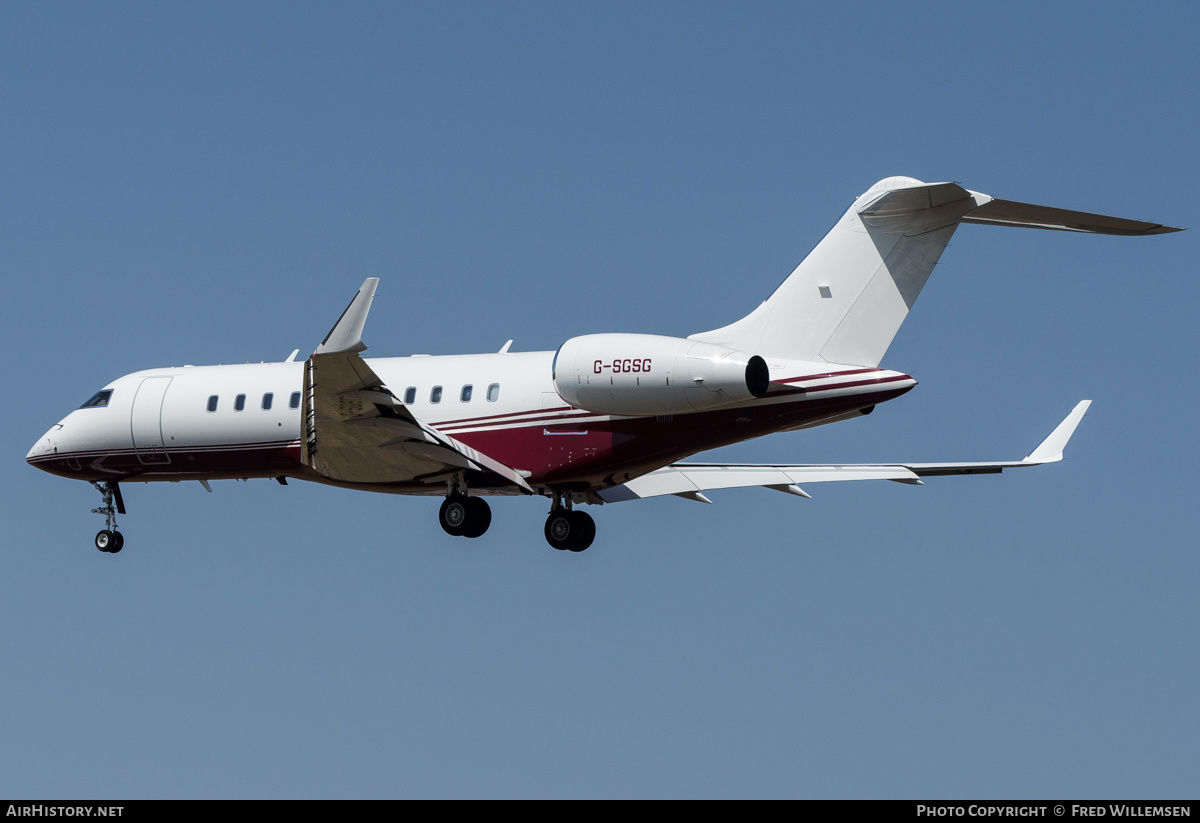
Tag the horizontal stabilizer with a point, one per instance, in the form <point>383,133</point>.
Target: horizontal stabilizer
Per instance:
<point>902,205</point>
<point>1029,216</point>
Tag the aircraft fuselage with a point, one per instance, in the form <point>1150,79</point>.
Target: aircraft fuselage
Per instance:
<point>244,421</point>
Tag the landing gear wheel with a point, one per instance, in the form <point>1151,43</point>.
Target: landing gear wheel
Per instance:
<point>558,530</point>
<point>109,539</point>
<point>479,517</point>
<point>455,515</point>
<point>570,530</point>
<point>583,527</point>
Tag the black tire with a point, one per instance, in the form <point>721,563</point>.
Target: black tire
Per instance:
<point>118,543</point>
<point>479,517</point>
<point>104,539</point>
<point>559,530</point>
<point>583,531</point>
<point>454,515</point>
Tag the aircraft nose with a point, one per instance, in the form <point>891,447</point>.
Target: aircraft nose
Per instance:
<point>46,444</point>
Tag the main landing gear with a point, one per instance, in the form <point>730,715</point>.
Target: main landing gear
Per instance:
<point>109,539</point>
<point>464,516</point>
<point>568,530</point>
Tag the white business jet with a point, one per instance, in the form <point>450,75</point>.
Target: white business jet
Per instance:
<point>604,419</point>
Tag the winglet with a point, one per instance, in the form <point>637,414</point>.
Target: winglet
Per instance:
<point>346,334</point>
<point>1050,450</point>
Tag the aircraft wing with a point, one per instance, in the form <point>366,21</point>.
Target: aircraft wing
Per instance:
<point>691,480</point>
<point>357,431</point>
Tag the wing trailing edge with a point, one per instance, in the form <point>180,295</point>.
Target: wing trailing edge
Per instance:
<point>690,480</point>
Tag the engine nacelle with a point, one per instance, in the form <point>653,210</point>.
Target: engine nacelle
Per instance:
<point>650,374</point>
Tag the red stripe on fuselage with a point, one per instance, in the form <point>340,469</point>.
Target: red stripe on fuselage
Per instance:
<point>616,445</point>
<point>540,418</point>
<point>234,460</point>
<point>825,375</point>
<point>461,420</point>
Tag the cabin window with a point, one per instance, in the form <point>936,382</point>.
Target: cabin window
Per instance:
<point>465,397</point>
<point>98,400</point>
<point>212,403</point>
<point>268,399</point>
<point>435,396</point>
<point>294,403</point>
<point>410,395</point>
<point>493,393</point>
<point>239,403</point>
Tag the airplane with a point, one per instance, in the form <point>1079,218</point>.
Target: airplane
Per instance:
<point>606,418</point>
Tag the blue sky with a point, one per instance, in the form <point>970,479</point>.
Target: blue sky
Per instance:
<point>210,183</point>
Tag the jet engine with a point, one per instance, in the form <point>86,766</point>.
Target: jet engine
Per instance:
<point>643,374</point>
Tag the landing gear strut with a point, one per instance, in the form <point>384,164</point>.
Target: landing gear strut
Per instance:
<point>464,516</point>
<point>109,539</point>
<point>568,530</point>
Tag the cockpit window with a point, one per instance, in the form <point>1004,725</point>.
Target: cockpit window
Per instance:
<point>98,399</point>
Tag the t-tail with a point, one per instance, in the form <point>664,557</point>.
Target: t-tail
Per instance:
<point>845,302</point>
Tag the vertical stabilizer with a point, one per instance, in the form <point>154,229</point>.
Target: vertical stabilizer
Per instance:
<point>845,302</point>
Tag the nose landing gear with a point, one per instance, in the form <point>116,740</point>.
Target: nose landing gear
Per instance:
<point>109,539</point>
